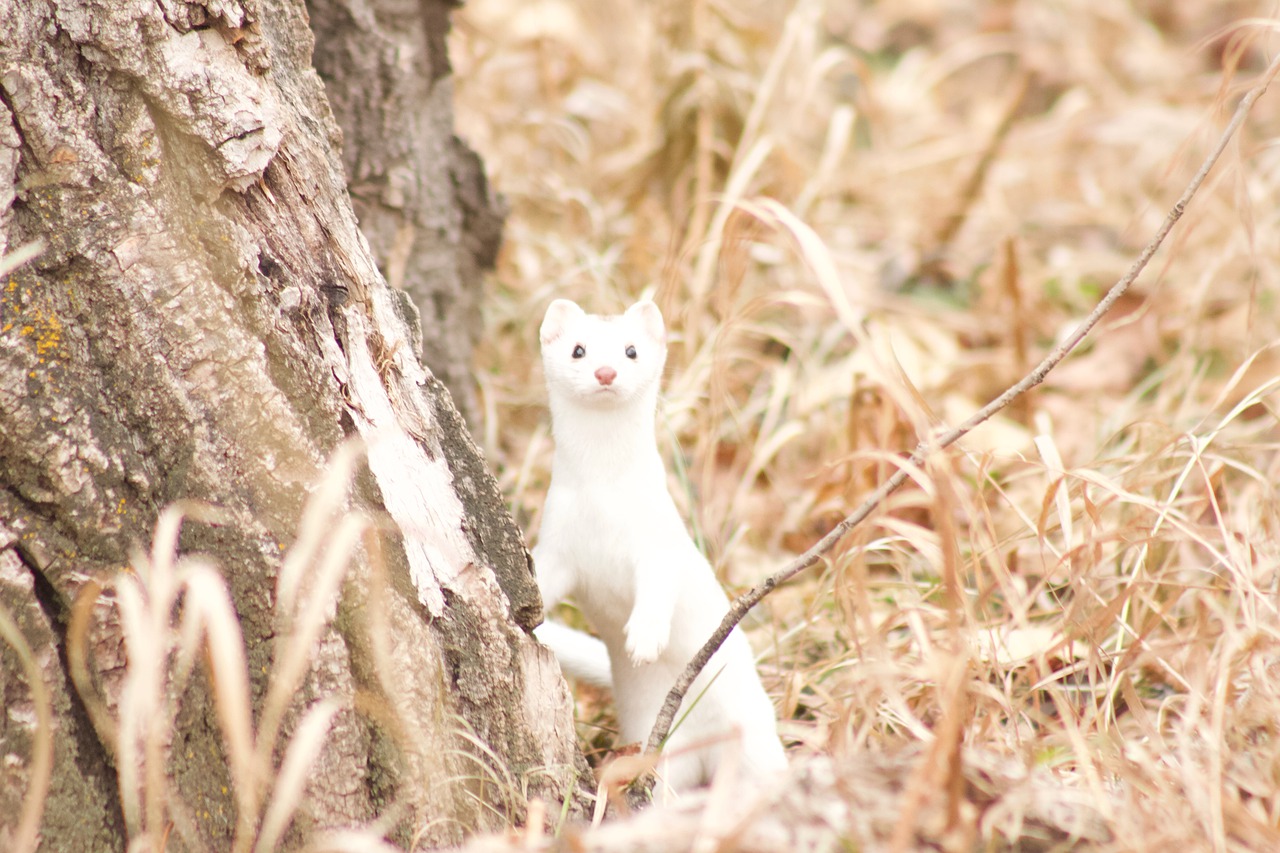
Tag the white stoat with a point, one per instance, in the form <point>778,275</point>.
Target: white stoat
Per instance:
<point>613,541</point>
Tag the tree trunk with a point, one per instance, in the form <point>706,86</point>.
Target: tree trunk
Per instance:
<point>420,194</point>
<point>206,323</point>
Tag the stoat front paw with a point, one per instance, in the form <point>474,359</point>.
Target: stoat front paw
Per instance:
<point>646,641</point>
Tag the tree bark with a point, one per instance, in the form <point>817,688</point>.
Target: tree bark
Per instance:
<point>206,322</point>
<point>421,195</point>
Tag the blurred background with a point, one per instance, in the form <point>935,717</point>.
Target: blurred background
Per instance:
<point>865,220</point>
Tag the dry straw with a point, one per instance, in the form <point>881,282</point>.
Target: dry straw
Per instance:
<point>863,221</point>
<point>26,835</point>
<point>825,272</point>
<point>176,610</point>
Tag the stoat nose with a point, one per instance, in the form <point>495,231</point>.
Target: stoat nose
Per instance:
<point>606,375</point>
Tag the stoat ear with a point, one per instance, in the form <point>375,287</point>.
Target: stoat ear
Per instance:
<point>559,314</point>
<point>646,313</point>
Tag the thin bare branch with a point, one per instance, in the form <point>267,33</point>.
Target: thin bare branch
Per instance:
<point>738,609</point>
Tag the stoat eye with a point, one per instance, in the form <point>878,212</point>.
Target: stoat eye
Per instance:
<point>631,352</point>
<point>579,351</point>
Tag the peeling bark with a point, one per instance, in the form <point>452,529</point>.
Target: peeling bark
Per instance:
<point>206,322</point>
<point>421,195</point>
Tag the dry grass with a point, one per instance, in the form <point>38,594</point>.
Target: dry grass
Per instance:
<point>1087,585</point>
<point>173,611</point>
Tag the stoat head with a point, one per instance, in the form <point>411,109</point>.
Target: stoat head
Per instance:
<point>603,362</point>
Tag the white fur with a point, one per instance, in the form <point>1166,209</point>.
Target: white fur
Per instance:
<point>581,656</point>
<point>612,540</point>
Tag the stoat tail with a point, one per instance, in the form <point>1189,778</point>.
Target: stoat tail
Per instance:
<point>581,655</point>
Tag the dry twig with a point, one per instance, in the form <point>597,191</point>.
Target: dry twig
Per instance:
<point>741,605</point>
